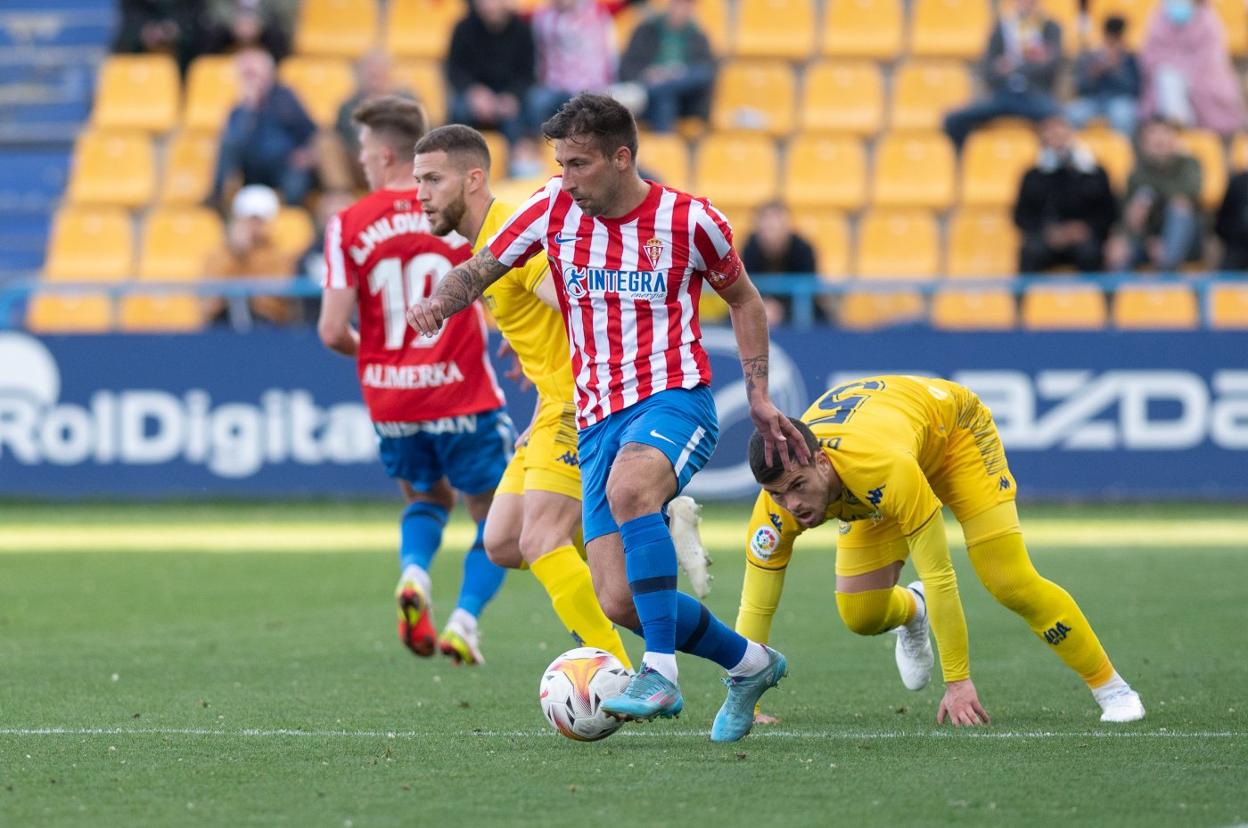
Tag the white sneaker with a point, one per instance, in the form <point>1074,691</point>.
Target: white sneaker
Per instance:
<point>683,520</point>
<point>1119,703</point>
<point>914,645</point>
<point>462,644</point>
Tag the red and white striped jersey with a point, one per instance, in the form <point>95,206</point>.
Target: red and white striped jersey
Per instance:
<point>381,245</point>
<point>628,287</point>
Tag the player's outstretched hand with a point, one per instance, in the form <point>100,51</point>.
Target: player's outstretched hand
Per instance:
<point>961,705</point>
<point>779,435</point>
<point>426,316</point>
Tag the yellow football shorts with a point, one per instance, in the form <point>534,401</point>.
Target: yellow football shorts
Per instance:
<point>547,461</point>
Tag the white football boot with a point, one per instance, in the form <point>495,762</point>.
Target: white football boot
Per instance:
<point>683,520</point>
<point>1119,703</point>
<point>914,645</point>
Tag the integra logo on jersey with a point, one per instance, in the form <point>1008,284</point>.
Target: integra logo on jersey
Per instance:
<point>411,376</point>
<point>636,283</point>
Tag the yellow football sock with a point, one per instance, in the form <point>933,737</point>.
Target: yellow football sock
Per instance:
<point>876,610</point>
<point>1005,568</point>
<point>566,579</point>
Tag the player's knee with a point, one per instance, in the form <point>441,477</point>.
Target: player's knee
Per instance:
<point>536,541</point>
<point>502,545</point>
<point>630,498</point>
<point>617,605</point>
<point>861,613</point>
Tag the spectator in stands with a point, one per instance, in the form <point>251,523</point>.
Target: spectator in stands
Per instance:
<point>1107,82</point>
<point>163,27</point>
<point>575,53</point>
<point>670,57</point>
<point>1188,76</point>
<point>1161,209</point>
<point>250,253</point>
<point>1065,206</point>
<point>236,25</point>
<point>340,166</point>
<point>490,68</point>
<point>1232,223</point>
<point>268,138</point>
<point>1020,70</point>
<point>775,248</point>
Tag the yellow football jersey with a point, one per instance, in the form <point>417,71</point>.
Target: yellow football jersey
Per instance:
<point>534,329</point>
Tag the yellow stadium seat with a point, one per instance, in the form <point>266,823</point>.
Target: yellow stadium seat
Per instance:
<point>426,80</point>
<point>843,96</point>
<point>336,28</point>
<point>113,168</point>
<point>517,190</point>
<point>665,156</point>
<point>1206,147</point>
<point>737,169</point>
<point>189,165</point>
<point>828,232</point>
<point>499,154</point>
<point>823,171</point>
<point>211,92</point>
<point>898,244</point>
<point>1135,12</point>
<point>70,313</point>
<point>862,28</point>
<point>176,241</point>
<point>913,170</point>
<point>924,90</point>
<point>137,92</point>
<point>867,310</point>
<point>972,309</point>
<point>90,244</point>
<point>983,244</point>
<point>1228,306</point>
<point>993,163</point>
<point>292,230</point>
<point>322,84</point>
<point>1066,14</point>
<point>1064,307</point>
<point>1239,152</point>
<point>1113,151</point>
<point>755,95</point>
<point>422,28</point>
<point>714,18</point>
<point>1155,307</point>
<point>775,28</point>
<point>1234,14</point>
<point>949,28</point>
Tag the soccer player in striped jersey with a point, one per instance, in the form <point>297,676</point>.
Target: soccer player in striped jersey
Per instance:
<point>629,258</point>
<point>434,401</point>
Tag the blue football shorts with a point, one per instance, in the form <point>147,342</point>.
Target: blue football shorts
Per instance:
<point>471,451</point>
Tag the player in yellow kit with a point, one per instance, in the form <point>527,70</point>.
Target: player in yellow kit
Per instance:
<point>887,452</point>
<point>536,511</point>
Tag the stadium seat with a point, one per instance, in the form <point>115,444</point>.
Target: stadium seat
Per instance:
<point>993,163</point>
<point>1234,14</point>
<point>139,92</point>
<point>913,170</point>
<point>1064,307</point>
<point>898,244</point>
<point>422,28</point>
<point>427,81</point>
<point>823,171</point>
<point>499,154</point>
<point>924,90</point>
<point>949,28</point>
<point>964,309</point>
<point>293,231</point>
<point>716,21</point>
<point>736,170</point>
<point>190,161</point>
<point>1206,147</point>
<point>843,96</point>
<point>862,29</point>
<point>90,244</point>
<point>336,28</point>
<point>1155,307</point>
<point>322,84</point>
<point>1228,306</point>
<point>61,313</point>
<point>1135,12</point>
<point>666,156</point>
<point>866,310</point>
<point>828,233</point>
<point>983,244</point>
<point>517,190</point>
<point>755,95</point>
<point>1238,161</point>
<point>775,28</point>
<point>1112,151</point>
<point>113,168</point>
<point>211,91</point>
<point>176,242</point>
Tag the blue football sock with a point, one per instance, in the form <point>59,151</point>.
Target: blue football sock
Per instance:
<point>482,577</point>
<point>701,633</point>
<point>650,563</point>
<point>421,534</point>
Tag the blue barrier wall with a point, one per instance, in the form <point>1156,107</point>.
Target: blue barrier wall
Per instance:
<point>1094,416</point>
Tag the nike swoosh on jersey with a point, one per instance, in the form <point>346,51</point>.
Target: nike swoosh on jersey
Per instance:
<point>654,433</point>
<point>564,240</point>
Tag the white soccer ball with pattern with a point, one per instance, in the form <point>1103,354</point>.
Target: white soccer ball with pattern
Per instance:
<point>573,687</point>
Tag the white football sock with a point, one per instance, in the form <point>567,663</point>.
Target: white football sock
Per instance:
<point>662,663</point>
<point>755,659</point>
<point>465,620</point>
<point>421,578</point>
<point>1115,686</point>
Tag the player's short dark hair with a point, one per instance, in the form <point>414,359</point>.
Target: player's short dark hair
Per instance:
<point>1115,25</point>
<point>462,144</point>
<point>398,121</point>
<point>765,472</point>
<point>600,118</point>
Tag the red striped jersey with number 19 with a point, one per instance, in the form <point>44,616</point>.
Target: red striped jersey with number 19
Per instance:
<point>381,245</point>
<point>628,287</point>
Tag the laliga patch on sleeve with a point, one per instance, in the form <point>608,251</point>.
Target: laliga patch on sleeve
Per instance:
<point>764,542</point>
<point>726,272</point>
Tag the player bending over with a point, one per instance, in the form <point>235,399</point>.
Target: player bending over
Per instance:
<point>629,257</point>
<point>887,452</point>
<point>433,400</point>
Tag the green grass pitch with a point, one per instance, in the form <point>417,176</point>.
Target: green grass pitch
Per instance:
<point>236,664</point>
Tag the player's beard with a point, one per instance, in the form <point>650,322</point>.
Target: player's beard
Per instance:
<point>449,217</point>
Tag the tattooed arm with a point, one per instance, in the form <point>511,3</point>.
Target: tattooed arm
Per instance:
<point>457,290</point>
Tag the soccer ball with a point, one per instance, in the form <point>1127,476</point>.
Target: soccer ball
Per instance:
<point>574,685</point>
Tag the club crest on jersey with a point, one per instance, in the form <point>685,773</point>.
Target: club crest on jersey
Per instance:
<point>654,251</point>
<point>637,284</point>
